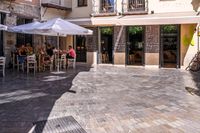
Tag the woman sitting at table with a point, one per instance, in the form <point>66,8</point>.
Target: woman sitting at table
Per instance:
<point>22,50</point>
<point>49,50</point>
<point>22,54</point>
<point>71,54</point>
<point>29,49</point>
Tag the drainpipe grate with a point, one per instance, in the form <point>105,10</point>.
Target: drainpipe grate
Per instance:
<point>58,125</point>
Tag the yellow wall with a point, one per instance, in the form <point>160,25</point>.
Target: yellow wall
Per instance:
<point>187,33</point>
<point>119,58</point>
<point>69,41</point>
<point>152,59</point>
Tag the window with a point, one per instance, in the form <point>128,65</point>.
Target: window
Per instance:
<point>136,5</point>
<point>23,38</point>
<point>51,40</point>
<point>107,6</point>
<point>82,3</point>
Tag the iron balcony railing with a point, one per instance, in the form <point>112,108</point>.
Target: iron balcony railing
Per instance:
<point>135,6</point>
<point>62,4</point>
<point>104,7</point>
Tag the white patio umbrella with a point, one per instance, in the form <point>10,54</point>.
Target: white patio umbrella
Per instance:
<point>3,27</point>
<point>58,27</point>
<point>23,28</point>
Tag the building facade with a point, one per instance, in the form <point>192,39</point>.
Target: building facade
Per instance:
<point>161,33</point>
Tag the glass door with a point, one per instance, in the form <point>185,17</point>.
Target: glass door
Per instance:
<point>135,45</point>
<point>81,48</point>
<point>170,46</point>
<point>106,45</point>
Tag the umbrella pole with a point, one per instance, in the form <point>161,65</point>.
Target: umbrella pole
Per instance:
<point>58,67</point>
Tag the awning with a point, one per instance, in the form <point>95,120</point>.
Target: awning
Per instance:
<point>149,19</point>
<point>3,27</point>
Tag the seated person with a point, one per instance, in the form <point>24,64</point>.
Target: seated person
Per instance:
<point>22,54</point>
<point>22,50</point>
<point>49,50</point>
<point>71,54</point>
<point>54,50</point>
<point>29,49</point>
<point>14,49</point>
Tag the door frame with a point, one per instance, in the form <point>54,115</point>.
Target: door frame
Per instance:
<point>2,21</point>
<point>144,44</point>
<point>99,57</point>
<point>178,51</point>
<point>75,45</point>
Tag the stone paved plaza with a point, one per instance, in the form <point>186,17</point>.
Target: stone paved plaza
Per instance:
<point>103,99</point>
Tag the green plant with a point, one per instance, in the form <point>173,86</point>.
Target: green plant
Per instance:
<point>169,28</point>
<point>135,29</point>
<point>107,31</point>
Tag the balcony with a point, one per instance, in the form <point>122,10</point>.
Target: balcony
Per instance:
<point>104,8</point>
<point>58,4</point>
<point>131,7</point>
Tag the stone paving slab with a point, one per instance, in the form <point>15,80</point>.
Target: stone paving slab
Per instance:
<point>107,99</point>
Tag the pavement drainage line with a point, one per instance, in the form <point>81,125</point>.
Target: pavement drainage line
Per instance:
<point>58,125</point>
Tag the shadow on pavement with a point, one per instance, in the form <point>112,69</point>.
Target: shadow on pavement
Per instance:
<point>196,79</point>
<point>25,99</point>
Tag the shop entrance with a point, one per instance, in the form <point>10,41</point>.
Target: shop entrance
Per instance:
<point>170,46</point>
<point>80,49</point>
<point>135,45</point>
<point>106,46</point>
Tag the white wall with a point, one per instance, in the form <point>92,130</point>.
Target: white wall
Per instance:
<point>170,6</point>
<point>158,6</point>
<point>51,13</point>
<point>80,12</point>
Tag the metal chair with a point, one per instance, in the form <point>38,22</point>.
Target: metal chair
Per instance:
<point>105,57</point>
<point>72,61</point>
<point>20,62</point>
<point>31,63</point>
<point>2,65</point>
<point>14,60</point>
<point>48,63</point>
<point>63,61</point>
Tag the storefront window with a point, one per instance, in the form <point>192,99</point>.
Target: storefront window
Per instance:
<point>52,40</point>
<point>81,48</point>
<point>82,3</point>
<point>23,38</point>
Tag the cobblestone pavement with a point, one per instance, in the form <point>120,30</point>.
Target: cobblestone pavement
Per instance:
<point>107,100</point>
